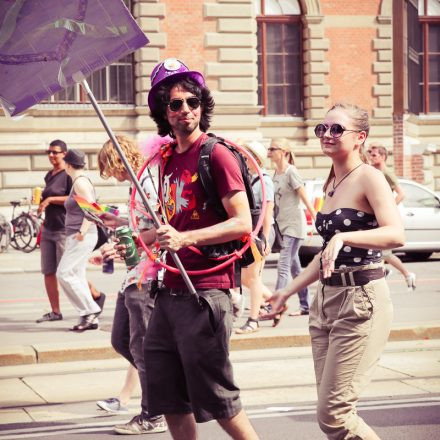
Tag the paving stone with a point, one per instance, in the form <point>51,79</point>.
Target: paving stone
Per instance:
<point>9,416</point>
<point>14,392</point>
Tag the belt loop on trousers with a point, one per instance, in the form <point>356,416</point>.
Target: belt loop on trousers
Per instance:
<point>352,282</point>
<point>344,281</point>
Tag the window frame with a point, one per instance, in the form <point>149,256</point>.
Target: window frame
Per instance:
<point>80,96</point>
<point>425,21</point>
<point>262,20</point>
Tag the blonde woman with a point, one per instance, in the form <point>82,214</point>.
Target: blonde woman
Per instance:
<point>351,313</point>
<point>289,215</point>
<point>133,305</point>
<point>251,276</point>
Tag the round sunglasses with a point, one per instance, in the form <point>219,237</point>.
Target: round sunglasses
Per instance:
<point>176,104</point>
<point>336,130</point>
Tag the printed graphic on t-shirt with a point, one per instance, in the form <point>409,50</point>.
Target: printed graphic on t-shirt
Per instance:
<point>178,195</point>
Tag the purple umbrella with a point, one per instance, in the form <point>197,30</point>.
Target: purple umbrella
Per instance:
<point>47,45</point>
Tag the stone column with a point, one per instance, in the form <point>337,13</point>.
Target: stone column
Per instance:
<point>235,70</point>
<point>316,88</point>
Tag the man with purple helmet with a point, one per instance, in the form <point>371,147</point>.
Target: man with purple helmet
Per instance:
<point>186,347</point>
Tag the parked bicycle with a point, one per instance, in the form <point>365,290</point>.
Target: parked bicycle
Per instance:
<point>25,227</point>
<point>5,233</point>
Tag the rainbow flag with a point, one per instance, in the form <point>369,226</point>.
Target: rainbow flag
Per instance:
<point>94,208</point>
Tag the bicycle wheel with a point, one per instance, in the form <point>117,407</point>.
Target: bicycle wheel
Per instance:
<point>5,234</point>
<point>23,232</point>
<point>35,231</point>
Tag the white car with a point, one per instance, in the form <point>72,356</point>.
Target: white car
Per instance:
<point>420,210</point>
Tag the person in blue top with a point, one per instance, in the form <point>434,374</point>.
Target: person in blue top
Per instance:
<point>351,313</point>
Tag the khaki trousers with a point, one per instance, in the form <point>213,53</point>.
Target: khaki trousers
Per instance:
<point>349,327</point>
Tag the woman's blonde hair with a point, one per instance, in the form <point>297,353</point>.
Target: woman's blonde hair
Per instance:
<point>361,122</point>
<point>284,144</point>
<point>110,163</point>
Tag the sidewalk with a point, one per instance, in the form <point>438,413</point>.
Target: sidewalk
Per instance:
<point>24,342</point>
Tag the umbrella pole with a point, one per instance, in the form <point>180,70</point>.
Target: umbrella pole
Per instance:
<point>135,181</point>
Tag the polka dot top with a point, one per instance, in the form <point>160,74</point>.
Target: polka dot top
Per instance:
<point>347,220</point>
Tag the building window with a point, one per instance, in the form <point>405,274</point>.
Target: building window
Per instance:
<point>280,61</point>
<point>111,84</point>
<point>423,20</point>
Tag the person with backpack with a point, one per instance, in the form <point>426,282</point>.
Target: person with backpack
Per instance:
<point>251,276</point>
<point>186,346</point>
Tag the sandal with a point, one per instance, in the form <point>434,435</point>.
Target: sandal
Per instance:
<point>265,309</point>
<point>279,315</point>
<point>250,326</point>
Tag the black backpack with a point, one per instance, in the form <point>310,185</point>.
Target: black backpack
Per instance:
<point>214,201</point>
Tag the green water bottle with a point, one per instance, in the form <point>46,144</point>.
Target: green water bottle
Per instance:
<point>124,235</point>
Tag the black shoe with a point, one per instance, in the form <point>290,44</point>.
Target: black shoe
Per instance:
<point>88,322</point>
<point>100,301</point>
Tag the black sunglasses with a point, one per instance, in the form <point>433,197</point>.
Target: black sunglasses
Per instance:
<point>273,149</point>
<point>336,130</point>
<point>53,152</point>
<point>176,104</point>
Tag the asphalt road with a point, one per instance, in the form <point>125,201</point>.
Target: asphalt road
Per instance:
<point>23,299</point>
<point>414,418</point>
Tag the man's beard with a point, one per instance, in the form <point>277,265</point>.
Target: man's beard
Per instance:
<point>185,129</point>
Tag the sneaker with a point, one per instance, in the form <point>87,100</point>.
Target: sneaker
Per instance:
<point>100,301</point>
<point>140,425</point>
<point>52,316</point>
<point>112,405</point>
<point>411,281</point>
<point>250,326</point>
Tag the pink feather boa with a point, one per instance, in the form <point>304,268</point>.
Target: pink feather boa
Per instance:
<point>150,147</point>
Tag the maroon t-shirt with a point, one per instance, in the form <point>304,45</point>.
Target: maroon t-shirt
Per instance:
<point>184,200</point>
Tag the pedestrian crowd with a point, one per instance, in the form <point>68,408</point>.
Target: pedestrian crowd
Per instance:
<point>174,328</point>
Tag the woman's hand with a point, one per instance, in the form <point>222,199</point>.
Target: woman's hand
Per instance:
<point>277,301</point>
<point>43,205</point>
<point>112,221</point>
<point>96,259</point>
<point>267,249</point>
<point>79,236</point>
<point>329,255</point>
<point>109,251</point>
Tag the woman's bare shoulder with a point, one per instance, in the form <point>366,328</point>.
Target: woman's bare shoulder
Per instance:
<point>372,177</point>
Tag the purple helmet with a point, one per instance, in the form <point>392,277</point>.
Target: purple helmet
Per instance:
<point>170,70</point>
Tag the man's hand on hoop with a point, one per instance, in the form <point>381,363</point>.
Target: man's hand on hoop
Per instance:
<point>170,239</point>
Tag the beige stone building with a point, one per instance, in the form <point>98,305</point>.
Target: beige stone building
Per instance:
<point>274,67</point>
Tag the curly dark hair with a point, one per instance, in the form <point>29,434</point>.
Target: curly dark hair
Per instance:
<point>162,98</point>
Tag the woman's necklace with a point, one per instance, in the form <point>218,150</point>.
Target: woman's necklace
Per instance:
<point>330,193</point>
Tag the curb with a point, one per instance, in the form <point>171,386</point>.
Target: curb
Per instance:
<point>95,350</point>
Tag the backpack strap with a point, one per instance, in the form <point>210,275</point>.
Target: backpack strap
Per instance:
<point>257,178</point>
<point>205,174</point>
